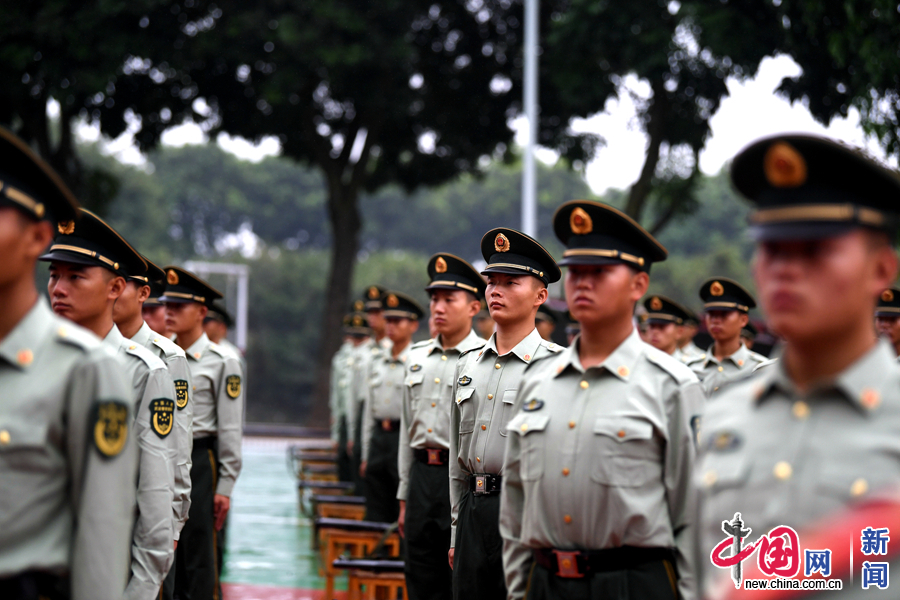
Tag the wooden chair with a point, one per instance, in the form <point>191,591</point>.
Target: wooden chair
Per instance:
<point>339,507</point>
<point>373,579</point>
<point>360,538</point>
<point>309,488</point>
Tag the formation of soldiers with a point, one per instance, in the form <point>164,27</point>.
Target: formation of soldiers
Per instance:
<point>519,468</point>
<point>120,419</point>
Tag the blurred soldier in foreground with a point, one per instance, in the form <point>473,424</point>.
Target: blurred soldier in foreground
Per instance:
<point>887,317</point>
<point>90,264</point>
<point>818,430</point>
<point>545,322</point>
<point>381,413</point>
<point>596,495</point>
<point>665,321</point>
<point>455,290</point>
<point>216,457</point>
<point>485,385</point>
<point>67,450</point>
<point>727,305</point>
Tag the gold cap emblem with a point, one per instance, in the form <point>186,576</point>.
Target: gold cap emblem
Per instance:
<point>784,167</point>
<point>359,306</point>
<point>172,277</point>
<point>440,265</point>
<point>716,289</point>
<point>66,227</point>
<point>392,301</point>
<point>501,243</point>
<point>373,293</point>
<point>580,222</point>
<point>887,296</point>
<point>656,303</point>
<point>357,321</point>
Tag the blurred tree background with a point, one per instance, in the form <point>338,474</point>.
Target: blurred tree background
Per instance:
<point>393,123</point>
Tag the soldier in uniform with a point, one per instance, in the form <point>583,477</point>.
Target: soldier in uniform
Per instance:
<point>154,311</point>
<point>484,324</point>
<point>818,431</point>
<point>216,326</point>
<point>887,317</point>
<point>89,266</point>
<point>727,306</point>
<point>596,496</point>
<point>485,386</point>
<point>381,411</point>
<point>67,450</point>
<point>356,332</point>
<point>687,349</point>
<point>128,316</point>
<point>456,290</point>
<point>748,335</point>
<point>665,320</point>
<point>216,456</point>
<point>372,303</point>
<point>545,322</point>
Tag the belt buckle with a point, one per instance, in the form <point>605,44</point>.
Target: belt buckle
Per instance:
<point>386,424</point>
<point>434,456</point>
<point>567,564</point>
<point>480,484</point>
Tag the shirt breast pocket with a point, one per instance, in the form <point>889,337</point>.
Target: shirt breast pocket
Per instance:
<point>466,405</point>
<point>626,454</point>
<point>414,385</point>
<point>509,399</point>
<point>25,447</point>
<point>532,431</point>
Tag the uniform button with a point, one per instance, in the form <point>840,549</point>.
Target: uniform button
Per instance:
<point>584,385</point>
<point>567,519</point>
<point>709,478</point>
<point>484,427</point>
<point>497,366</point>
<point>393,365</point>
<point>524,427</point>
<point>429,430</point>
<point>4,437</point>
<point>740,363</point>
<point>444,357</point>
<point>623,371</point>
<point>478,458</point>
<point>437,379</point>
<point>155,340</point>
<point>800,409</point>
<point>565,472</point>
<point>197,355</point>
<point>559,369</point>
<point>721,369</point>
<point>527,357</point>
<point>490,396</point>
<point>716,389</point>
<point>24,357</point>
<point>195,388</point>
<point>621,433</point>
<point>870,398</point>
<point>571,424</point>
<point>433,404</point>
<point>132,347</point>
<point>859,487</point>
<point>783,470</point>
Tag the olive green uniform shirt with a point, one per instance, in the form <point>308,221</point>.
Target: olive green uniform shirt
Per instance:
<point>783,457</point>
<point>385,394</point>
<point>601,458</point>
<point>485,387</point>
<point>67,456</point>
<point>339,392</point>
<point>218,405</point>
<point>152,550</point>
<point>176,362</point>
<point>713,373</point>
<point>359,381</point>
<point>688,353</point>
<point>427,398</point>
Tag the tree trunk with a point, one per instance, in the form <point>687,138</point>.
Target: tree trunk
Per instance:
<point>656,128</point>
<point>343,211</point>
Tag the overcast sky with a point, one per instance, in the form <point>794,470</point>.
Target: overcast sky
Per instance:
<point>752,110</point>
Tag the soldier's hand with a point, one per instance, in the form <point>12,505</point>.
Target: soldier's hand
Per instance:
<point>362,469</point>
<point>402,518</point>
<point>176,544</point>
<point>450,557</point>
<point>221,504</point>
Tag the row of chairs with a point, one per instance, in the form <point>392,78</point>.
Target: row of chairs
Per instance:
<point>368,552</point>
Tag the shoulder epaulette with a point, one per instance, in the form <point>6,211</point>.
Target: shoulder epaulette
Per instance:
<point>473,349</point>
<point>693,359</point>
<point>677,370</point>
<point>224,353</point>
<point>768,362</point>
<point>422,344</point>
<point>758,357</point>
<point>74,335</point>
<point>150,359</point>
<point>170,348</point>
<point>552,346</point>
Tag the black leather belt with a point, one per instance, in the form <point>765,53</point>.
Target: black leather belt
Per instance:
<point>575,563</point>
<point>436,457</point>
<point>484,484</point>
<point>389,425</point>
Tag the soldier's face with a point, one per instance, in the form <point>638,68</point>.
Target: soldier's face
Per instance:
<point>376,321</point>
<point>600,295</point>
<point>22,241</point>
<point>663,336</point>
<point>513,298</point>
<point>823,291</point>
<point>725,325</point>
<point>452,311</point>
<point>155,317</point>
<point>545,329</point>
<point>82,293</point>
<point>400,330</point>
<point>128,306</point>
<point>184,317</point>
<point>889,328</point>
<point>215,330</point>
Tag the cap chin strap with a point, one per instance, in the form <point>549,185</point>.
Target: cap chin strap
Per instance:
<point>605,254</point>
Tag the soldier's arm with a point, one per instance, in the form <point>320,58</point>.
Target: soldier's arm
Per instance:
<point>368,424</point>
<point>685,405</point>
<point>355,396</point>
<point>334,396</point>
<point>517,558</point>
<point>458,483</point>
<point>405,453</point>
<point>102,477</point>
<point>178,368</point>
<point>229,413</point>
<point>152,546</point>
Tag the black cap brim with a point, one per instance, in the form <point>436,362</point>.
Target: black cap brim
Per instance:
<point>776,232</point>
<point>73,258</point>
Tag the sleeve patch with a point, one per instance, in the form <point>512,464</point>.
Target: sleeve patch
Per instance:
<point>110,427</point>
<point>181,393</point>
<point>162,416</point>
<point>233,386</point>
